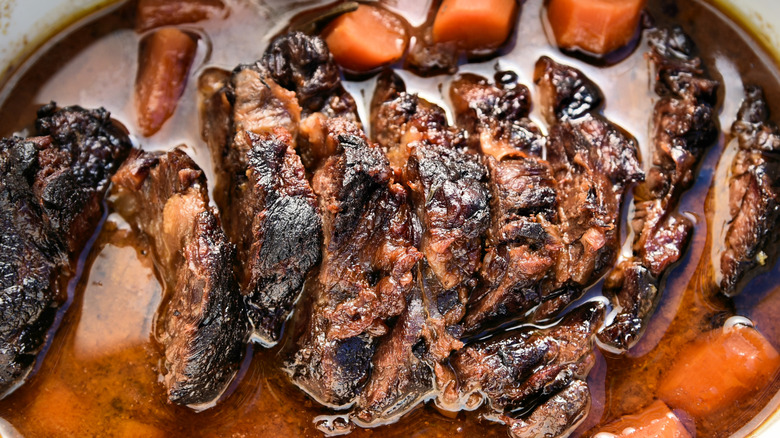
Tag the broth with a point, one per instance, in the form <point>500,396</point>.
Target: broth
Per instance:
<point>99,375</point>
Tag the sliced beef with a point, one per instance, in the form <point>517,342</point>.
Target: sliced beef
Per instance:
<point>251,124</point>
<point>366,275</point>
<point>274,220</point>
<point>555,222</point>
<point>202,325</point>
<point>244,101</point>
<point>496,115</point>
<point>534,379</point>
<point>450,197</point>
<point>521,245</point>
<point>51,195</point>
<point>684,125</point>
<point>593,161</point>
<point>754,191</point>
<point>303,64</point>
<point>448,186</point>
<point>401,377</point>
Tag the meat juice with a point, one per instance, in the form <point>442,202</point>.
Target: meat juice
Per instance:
<point>100,373</point>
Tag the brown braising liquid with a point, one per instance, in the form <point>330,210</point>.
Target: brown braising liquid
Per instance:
<point>100,373</point>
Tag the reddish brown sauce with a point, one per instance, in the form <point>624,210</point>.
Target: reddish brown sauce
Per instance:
<point>100,373</point>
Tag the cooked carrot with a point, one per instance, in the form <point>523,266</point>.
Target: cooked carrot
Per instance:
<point>366,38</point>
<point>483,24</point>
<point>596,26</point>
<point>162,75</point>
<point>158,13</point>
<point>726,366</point>
<point>655,421</point>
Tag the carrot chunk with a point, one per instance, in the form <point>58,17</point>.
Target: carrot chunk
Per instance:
<point>473,25</point>
<point>157,13</point>
<point>596,26</point>
<point>726,366</point>
<point>655,421</point>
<point>162,76</point>
<point>366,38</point>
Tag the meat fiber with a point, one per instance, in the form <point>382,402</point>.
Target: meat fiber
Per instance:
<point>251,125</point>
<point>202,324</point>
<point>533,379</point>
<point>51,196</point>
<point>450,197</point>
<point>522,244</point>
<point>366,275</point>
<point>593,161</point>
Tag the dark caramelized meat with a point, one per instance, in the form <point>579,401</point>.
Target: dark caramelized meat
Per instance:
<point>450,197</point>
<point>73,174</point>
<point>496,116</point>
<point>754,190</point>
<point>521,246</point>
<point>400,377</point>
<point>51,194</point>
<point>274,221</point>
<point>270,211</point>
<point>243,101</point>
<point>593,161</point>
<point>683,126</point>
<point>303,64</point>
<point>366,273</point>
<point>203,324</point>
<point>448,186</point>
<point>539,372</point>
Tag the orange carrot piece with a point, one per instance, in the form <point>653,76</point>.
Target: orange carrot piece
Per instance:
<point>655,421</point>
<point>162,76</point>
<point>366,38</point>
<point>596,26</point>
<point>483,24</point>
<point>157,13</point>
<point>724,367</point>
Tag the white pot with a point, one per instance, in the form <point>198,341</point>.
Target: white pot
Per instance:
<point>26,24</point>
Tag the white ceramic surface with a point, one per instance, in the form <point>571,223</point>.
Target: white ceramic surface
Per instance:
<point>26,24</point>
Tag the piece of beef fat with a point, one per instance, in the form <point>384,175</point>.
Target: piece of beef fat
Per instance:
<point>51,195</point>
<point>202,322</point>
<point>684,125</point>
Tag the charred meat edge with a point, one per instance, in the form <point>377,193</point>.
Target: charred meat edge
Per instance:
<point>250,123</point>
<point>534,380</point>
<point>202,322</point>
<point>366,275</point>
<point>52,188</point>
<point>684,125</point>
<point>754,191</point>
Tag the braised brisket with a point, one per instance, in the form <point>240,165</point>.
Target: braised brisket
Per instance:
<point>202,323</point>
<point>51,196</point>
